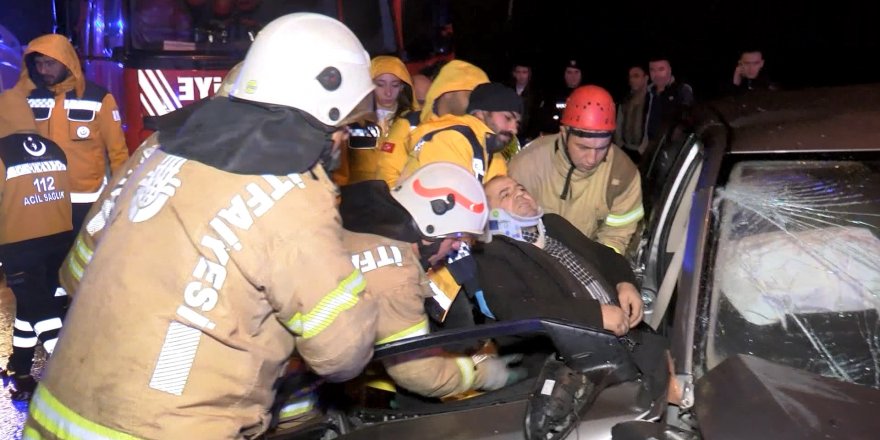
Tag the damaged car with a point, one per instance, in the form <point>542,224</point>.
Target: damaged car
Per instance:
<point>760,263</point>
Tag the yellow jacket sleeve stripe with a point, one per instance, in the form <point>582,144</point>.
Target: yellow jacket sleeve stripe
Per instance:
<point>342,298</point>
<point>31,434</point>
<point>75,268</point>
<point>625,219</point>
<point>62,422</point>
<point>466,366</point>
<point>85,254</point>
<point>298,407</point>
<point>417,330</point>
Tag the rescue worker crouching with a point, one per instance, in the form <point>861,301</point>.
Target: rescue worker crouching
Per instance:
<point>581,175</point>
<point>77,114</point>
<point>35,230</point>
<point>394,238</point>
<point>222,289</point>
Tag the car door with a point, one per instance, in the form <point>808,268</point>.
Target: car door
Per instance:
<point>669,185</point>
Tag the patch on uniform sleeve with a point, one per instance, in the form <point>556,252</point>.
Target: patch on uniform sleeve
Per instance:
<point>388,147</point>
<point>116,115</point>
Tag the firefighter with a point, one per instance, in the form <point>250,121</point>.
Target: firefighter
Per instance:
<point>448,94</point>
<point>35,229</point>
<point>581,175</point>
<point>77,114</point>
<point>395,237</point>
<point>222,254</point>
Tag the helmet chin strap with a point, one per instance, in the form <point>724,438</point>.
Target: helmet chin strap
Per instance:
<point>511,225</point>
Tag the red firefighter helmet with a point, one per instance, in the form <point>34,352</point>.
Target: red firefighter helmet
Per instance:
<point>590,108</point>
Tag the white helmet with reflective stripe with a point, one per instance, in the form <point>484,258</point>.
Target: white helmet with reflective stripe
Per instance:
<point>310,62</point>
<point>444,199</point>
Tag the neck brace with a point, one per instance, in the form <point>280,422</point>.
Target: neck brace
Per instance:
<point>511,225</point>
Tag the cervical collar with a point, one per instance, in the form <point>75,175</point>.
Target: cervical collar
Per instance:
<point>511,225</point>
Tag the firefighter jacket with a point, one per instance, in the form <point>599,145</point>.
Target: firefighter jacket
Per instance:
<point>361,160</point>
<point>202,285</point>
<point>457,139</point>
<point>80,116</point>
<point>604,203</point>
<point>34,187</point>
<point>400,288</point>
<point>96,220</point>
<point>99,214</point>
<point>456,75</point>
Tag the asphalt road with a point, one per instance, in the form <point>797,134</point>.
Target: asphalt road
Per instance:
<point>12,414</point>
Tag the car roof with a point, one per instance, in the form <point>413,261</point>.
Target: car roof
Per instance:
<point>844,118</point>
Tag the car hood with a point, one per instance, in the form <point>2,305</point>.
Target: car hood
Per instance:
<point>748,397</point>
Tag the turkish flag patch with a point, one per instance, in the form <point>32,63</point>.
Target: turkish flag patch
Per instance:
<point>388,147</point>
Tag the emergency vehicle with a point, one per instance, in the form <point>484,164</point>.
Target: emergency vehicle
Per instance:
<point>156,56</point>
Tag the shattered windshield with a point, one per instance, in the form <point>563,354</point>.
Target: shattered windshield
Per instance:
<point>796,276</point>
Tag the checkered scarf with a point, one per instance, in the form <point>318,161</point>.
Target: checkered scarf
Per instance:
<point>571,261</point>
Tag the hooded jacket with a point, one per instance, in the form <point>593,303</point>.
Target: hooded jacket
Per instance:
<point>454,76</point>
<point>34,185</point>
<point>234,270</point>
<point>544,169</point>
<point>435,141</point>
<point>78,115</point>
<point>365,145</point>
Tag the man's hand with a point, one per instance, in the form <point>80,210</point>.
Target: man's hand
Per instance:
<point>737,74</point>
<point>631,303</point>
<point>497,372</point>
<point>614,319</point>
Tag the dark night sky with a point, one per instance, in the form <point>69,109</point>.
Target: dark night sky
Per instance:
<point>825,43</point>
<point>820,44</point>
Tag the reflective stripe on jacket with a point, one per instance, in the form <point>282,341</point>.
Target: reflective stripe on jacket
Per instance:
<point>200,288</point>
<point>400,287</point>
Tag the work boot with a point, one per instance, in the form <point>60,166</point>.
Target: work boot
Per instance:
<point>23,387</point>
<point>555,406</point>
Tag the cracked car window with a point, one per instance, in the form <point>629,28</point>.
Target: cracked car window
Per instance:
<point>796,276</point>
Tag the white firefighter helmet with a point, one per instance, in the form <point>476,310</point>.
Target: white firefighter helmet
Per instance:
<point>310,62</point>
<point>444,199</point>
